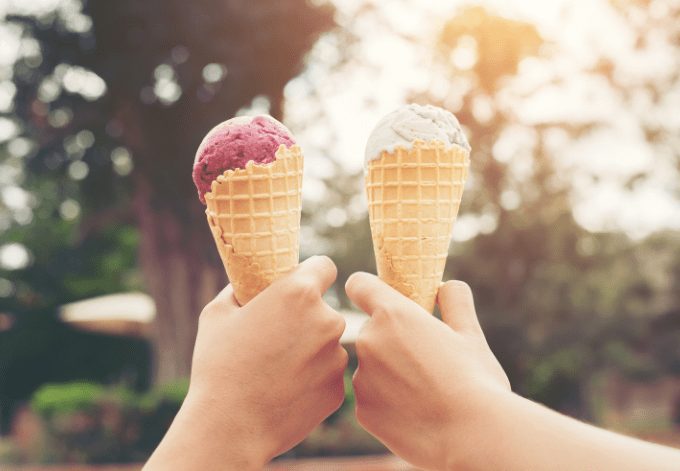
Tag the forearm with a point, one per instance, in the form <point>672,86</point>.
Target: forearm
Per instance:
<point>199,438</point>
<point>523,435</point>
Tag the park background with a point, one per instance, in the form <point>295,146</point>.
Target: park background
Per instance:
<point>568,233</point>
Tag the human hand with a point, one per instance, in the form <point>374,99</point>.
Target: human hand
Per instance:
<point>265,374</point>
<point>420,379</point>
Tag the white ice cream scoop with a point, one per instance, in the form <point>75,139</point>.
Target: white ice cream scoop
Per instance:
<point>412,122</point>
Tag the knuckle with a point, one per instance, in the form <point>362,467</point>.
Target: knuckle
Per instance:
<point>338,395</point>
<point>356,382</point>
<point>363,345</point>
<point>459,286</point>
<point>337,326</point>
<point>353,285</point>
<point>361,413</point>
<point>303,289</point>
<point>360,345</point>
<point>381,311</point>
<point>329,265</point>
<point>330,327</point>
<point>343,359</point>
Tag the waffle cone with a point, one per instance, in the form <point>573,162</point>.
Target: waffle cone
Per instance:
<point>254,216</point>
<point>413,201</point>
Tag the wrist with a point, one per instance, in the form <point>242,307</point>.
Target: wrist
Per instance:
<point>240,445</point>
<point>204,435</point>
<point>475,430</point>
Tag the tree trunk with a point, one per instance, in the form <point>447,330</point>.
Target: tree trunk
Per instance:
<point>182,271</point>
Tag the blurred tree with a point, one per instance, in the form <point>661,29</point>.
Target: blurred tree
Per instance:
<point>555,300</point>
<point>559,304</point>
<point>530,236</point>
<point>653,94</point>
<point>107,89</point>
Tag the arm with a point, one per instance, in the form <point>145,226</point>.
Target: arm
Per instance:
<point>434,394</point>
<point>243,408</point>
<point>522,435</point>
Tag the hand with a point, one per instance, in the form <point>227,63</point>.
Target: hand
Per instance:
<point>418,377</point>
<point>433,393</point>
<point>265,374</point>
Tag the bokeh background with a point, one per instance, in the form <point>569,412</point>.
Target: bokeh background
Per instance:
<point>568,233</point>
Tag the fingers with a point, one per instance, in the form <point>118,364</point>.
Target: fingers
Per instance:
<point>365,397</point>
<point>457,307</point>
<point>319,270</point>
<point>370,294</point>
<point>306,283</point>
<point>335,323</point>
<point>311,278</point>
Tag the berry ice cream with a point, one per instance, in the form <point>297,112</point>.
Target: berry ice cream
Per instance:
<point>235,142</point>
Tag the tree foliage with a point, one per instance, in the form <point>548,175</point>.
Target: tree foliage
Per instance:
<point>111,100</point>
<point>559,304</point>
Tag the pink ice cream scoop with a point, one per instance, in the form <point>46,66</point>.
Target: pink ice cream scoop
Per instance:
<point>235,142</point>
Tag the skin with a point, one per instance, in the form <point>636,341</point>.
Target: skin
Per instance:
<point>430,390</point>
<point>433,393</point>
<point>263,375</point>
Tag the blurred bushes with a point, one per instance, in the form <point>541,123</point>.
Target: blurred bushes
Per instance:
<point>55,399</point>
<point>133,142</point>
<point>89,423</point>
<point>85,422</point>
<point>28,359</point>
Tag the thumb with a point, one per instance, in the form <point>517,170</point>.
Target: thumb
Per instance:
<point>458,307</point>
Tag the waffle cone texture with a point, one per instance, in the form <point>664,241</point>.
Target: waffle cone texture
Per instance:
<point>254,216</point>
<point>413,200</point>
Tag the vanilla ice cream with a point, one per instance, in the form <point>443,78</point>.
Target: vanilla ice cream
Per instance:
<point>409,123</point>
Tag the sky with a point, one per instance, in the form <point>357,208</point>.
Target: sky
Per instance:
<point>386,67</point>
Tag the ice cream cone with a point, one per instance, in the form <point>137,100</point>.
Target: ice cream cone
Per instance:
<point>413,199</point>
<point>254,216</point>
